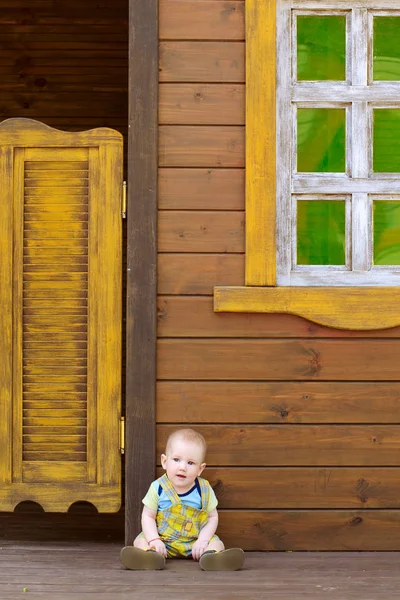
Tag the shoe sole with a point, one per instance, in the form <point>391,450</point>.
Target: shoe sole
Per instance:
<point>141,560</point>
<point>227,560</point>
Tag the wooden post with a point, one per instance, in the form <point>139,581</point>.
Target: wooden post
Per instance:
<point>141,259</point>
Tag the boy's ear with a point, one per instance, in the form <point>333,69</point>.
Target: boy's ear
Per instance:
<point>164,462</point>
<point>202,467</point>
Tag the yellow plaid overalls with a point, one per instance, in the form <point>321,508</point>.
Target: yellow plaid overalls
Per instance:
<point>179,525</point>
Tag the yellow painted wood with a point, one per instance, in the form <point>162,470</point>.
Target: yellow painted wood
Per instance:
<point>363,308</point>
<point>6,315</point>
<point>260,142</point>
<point>60,307</point>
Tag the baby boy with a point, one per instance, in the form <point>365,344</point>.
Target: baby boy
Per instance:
<point>180,517</point>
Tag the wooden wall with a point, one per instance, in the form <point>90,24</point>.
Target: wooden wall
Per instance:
<point>302,421</point>
<point>65,64</point>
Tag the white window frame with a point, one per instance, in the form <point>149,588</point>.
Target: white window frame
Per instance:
<point>360,96</point>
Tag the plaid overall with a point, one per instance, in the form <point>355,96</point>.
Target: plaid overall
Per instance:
<point>179,525</point>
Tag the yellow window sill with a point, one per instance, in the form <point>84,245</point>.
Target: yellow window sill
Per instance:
<point>360,308</point>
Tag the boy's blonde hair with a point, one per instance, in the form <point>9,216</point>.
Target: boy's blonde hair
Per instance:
<point>187,435</point>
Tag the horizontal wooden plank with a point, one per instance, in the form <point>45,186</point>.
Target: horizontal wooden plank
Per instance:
<point>35,304</point>
<point>33,247</point>
<point>62,57</point>
<point>192,20</point>
<point>36,103</point>
<point>57,318</point>
<point>304,487</point>
<point>53,411</point>
<point>56,378</point>
<point>198,273</point>
<point>33,455</point>
<point>54,447</point>
<point>201,189</point>
<point>67,286</point>
<point>54,388</point>
<point>277,402</point>
<point>51,276</point>
<point>54,369</point>
<point>37,472</point>
<point>206,146</point>
<point>201,104</point>
<point>334,360</point>
<point>201,231</point>
<point>195,317</point>
<point>38,400</point>
<point>321,530</point>
<point>37,432</point>
<point>296,445</point>
<point>211,62</point>
<point>18,12</point>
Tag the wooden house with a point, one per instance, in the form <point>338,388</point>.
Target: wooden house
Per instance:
<point>278,341</point>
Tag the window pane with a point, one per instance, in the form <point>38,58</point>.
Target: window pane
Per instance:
<point>386,63</point>
<point>386,140</point>
<point>321,232</point>
<point>387,232</point>
<point>321,145</point>
<point>321,48</point>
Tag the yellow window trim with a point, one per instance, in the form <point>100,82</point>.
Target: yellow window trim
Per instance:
<point>361,308</point>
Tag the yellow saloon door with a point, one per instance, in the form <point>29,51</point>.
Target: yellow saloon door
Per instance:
<point>60,315</point>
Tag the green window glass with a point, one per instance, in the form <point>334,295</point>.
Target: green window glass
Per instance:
<point>321,48</point>
<point>321,140</point>
<point>386,59</point>
<point>386,140</point>
<point>387,232</point>
<point>321,232</point>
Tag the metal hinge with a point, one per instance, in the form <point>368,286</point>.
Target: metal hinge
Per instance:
<point>122,435</point>
<point>123,200</point>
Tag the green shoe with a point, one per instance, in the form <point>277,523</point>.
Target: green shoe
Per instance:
<point>141,560</point>
<point>227,560</point>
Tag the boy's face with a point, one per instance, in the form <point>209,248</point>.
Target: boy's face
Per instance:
<point>183,463</point>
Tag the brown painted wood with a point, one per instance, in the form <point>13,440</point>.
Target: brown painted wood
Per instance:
<point>141,259</point>
<point>201,231</point>
<point>210,62</point>
<point>312,530</point>
<point>82,523</point>
<point>304,487</point>
<point>335,360</point>
<point>79,104</point>
<point>65,57</point>
<point>277,402</point>
<point>191,146</point>
<point>201,189</point>
<point>110,78</point>
<point>201,104</point>
<point>198,273</point>
<point>61,571</point>
<point>296,445</point>
<point>193,20</point>
<point>45,6</point>
<point>195,317</point>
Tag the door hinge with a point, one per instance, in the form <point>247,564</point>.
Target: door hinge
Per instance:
<point>123,200</point>
<point>122,435</point>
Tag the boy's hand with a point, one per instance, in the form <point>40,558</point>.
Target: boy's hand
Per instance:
<point>159,546</point>
<point>198,548</point>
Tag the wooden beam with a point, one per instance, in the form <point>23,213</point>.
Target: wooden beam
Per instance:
<point>141,259</point>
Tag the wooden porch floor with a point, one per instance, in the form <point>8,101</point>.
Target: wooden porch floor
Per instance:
<point>71,571</point>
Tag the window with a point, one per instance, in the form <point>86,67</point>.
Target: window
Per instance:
<point>323,161</point>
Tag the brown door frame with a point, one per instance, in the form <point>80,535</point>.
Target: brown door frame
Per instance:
<point>141,259</point>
